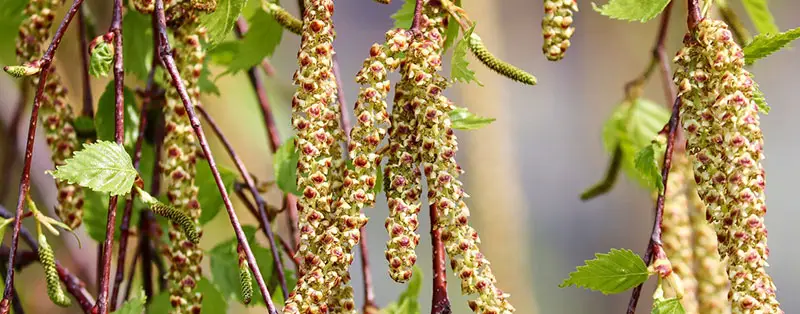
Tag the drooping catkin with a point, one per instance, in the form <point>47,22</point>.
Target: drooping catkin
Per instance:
<point>56,114</point>
<point>283,17</point>
<point>557,27</point>
<point>180,157</point>
<point>438,149</point>
<point>676,229</point>
<point>47,259</point>
<point>712,281</point>
<point>245,279</point>
<point>725,142</point>
<point>179,218</point>
<point>494,63</point>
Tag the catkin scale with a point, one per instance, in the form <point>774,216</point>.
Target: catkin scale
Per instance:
<point>725,142</point>
<point>47,259</point>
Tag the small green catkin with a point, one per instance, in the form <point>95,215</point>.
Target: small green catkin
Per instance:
<point>177,217</point>
<point>47,258</point>
<point>495,64</point>
<point>283,17</point>
<point>245,279</point>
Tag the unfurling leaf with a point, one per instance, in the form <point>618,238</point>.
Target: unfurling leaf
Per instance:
<point>761,16</point>
<point>462,119</point>
<point>632,10</point>
<point>647,165</point>
<point>285,165</point>
<point>102,54</point>
<point>102,166</point>
<point>459,66</point>
<point>764,45</point>
<point>668,306</point>
<point>615,272</point>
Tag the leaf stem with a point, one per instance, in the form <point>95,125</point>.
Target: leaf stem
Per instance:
<point>260,202</point>
<point>165,53</point>
<point>25,178</point>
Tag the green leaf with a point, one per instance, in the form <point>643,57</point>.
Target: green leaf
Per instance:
<point>11,15</point>
<point>632,10</point>
<point>95,214</point>
<point>207,192</point>
<point>220,22</point>
<point>647,165</point>
<point>224,53</point>
<point>405,15</point>
<point>407,302</point>
<point>102,166</point>
<point>462,119</point>
<point>378,180</point>
<point>633,126</point>
<point>284,163</point>
<point>459,70</point>
<point>138,48</point>
<point>452,31</point>
<point>101,57</point>
<point>761,16</point>
<point>135,305</point>
<point>259,42</point>
<point>764,45</point>
<point>615,272</point>
<point>104,118</point>
<point>213,300</point>
<point>225,267</point>
<point>761,100</point>
<point>205,84</point>
<point>668,306</point>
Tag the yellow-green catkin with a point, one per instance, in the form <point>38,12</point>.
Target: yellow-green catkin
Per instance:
<point>283,17</point>
<point>180,157</point>
<point>47,259</point>
<point>55,115</point>
<point>497,65</point>
<point>245,279</point>
<point>557,27</point>
<point>712,281</point>
<point>676,229</point>
<point>725,142</point>
<point>438,149</point>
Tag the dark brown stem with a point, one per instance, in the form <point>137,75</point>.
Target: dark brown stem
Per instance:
<point>16,304</point>
<point>74,285</point>
<point>441,303</point>
<point>119,129</point>
<point>88,106</point>
<point>369,293</point>
<point>261,204</point>
<point>13,130</point>
<point>693,16</point>
<point>24,258</point>
<point>25,179</point>
<point>165,53</point>
<point>660,53</point>
<point>655,236</point>
<point>415,23</point>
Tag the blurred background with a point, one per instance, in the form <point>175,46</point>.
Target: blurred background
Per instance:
<point>524,172</point>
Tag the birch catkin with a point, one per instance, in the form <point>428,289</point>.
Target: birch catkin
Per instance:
<point>725,142</point>
<point>677,230</point>
<point>712,281</point>
<point>557,27</point>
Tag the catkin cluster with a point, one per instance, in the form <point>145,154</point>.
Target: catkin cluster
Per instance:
<point>56,114</point>
<point>676,229</point>
<point>438,149</point>
<point>712,282</point>
<point>180,159</point>
<point>557,27</point>
<point>725,142</point>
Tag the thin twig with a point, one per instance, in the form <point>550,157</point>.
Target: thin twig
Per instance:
<point>88,104</point>
<point>119,129</point>
<point>261,204</point>
<point>655,236</point>
<point>660,53</point>
<point>415,23</point>
<point>25,179</point>
<point>74,285</point>
<point>165,52</point>
<point>441,303</point>
<point>693,15</point>
<point>287,248</point>
<point>13,130</point>
<point>369,293</point>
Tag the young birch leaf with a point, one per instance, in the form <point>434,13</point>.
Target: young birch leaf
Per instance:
<point>407,302</point>
<point>452,31</point>
<point>462,119</point>
<point>101,166</point>
<point>647,165</point>
<point>138,48</point>
<point>632,10</point>
<point>668,306</point>
<point>259,42</point>
<point>459,70</point>
<point>761,100</point>
<point>764,45</point>
<point>101,57</point>
<point>12,12</point>
<point>207,192</point>
<point>220,22</point>
<point>285,165</point>
<point>615,272</point>
<point>761,16</point>
<point>104,119</point>
<point>405,15</point>
<point>134,305</point>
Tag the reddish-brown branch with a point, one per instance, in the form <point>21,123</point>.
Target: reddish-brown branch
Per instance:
<point>369,293</point>
<point>119,129</point>
<point>415,23</point>
<point>441,303</point>
<point>660,53</point>
<point>88,104</point>
<point>165,53</point>
<point>693,16</point>
<point>261,204</point>
<point>25,179</point>
<point>654,243</point>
